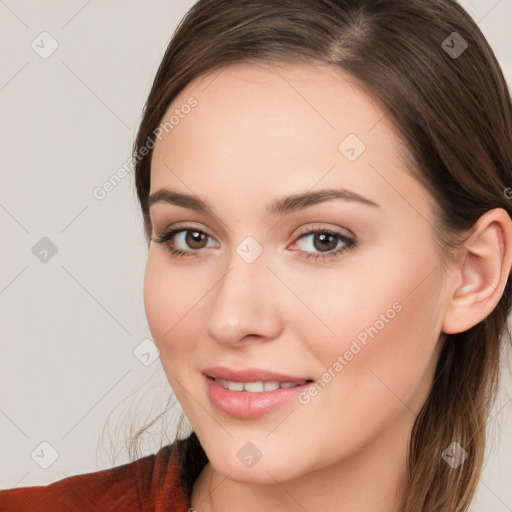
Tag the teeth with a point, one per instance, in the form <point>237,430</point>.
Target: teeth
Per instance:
<point>268,386</point>
<point>253,387</point>
<point>257,387</point>
<point>235,386</point>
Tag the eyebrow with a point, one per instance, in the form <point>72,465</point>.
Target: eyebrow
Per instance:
<point>276,207</point>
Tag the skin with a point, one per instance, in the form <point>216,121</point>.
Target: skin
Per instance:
<point>259,133</point>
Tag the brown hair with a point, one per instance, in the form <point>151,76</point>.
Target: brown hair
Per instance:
<point>453,113</point>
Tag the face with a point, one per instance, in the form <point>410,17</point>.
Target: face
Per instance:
<point>344,292</point>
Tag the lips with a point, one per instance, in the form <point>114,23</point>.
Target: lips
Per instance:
<point>252,392</point>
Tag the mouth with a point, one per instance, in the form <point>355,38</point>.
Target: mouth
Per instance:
<point>251,393</point>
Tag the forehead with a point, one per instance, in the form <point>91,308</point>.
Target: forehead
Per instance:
<point>262,128</point>
<point>251,100</point>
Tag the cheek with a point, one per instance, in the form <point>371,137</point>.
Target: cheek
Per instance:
<point>168,299</point>
<point>384,353</point>
<point>381,318</point>
<point>169,304</point>
<point>389,288</point>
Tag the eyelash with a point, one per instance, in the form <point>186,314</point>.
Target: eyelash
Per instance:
<point>167,237</point>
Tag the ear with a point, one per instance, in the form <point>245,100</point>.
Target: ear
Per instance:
<point>482,272</point>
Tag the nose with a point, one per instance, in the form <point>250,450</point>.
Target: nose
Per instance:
<point>244,304</point>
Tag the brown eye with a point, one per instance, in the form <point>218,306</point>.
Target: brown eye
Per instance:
<point>323,244</point>
<point>325,241</point>
<point>184,241</point>
<point>195,239</point>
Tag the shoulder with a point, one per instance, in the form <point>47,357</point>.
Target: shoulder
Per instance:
<point>150,483</point>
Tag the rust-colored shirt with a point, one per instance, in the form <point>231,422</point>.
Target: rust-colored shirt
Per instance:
<point>149,484</point>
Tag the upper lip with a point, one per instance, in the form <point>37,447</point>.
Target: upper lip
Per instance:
<point>249,375</point>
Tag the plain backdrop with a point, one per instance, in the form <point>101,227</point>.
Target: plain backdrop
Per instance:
<point>73,81</point>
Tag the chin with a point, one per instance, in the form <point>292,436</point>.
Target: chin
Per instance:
<point>266,470</point>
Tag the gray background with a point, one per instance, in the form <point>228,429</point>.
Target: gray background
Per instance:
<point>70,324</point>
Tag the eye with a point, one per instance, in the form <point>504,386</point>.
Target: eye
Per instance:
<point>188,235</point>
<point>325,240</point>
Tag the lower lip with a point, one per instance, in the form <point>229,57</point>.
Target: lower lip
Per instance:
<point>246,405</point>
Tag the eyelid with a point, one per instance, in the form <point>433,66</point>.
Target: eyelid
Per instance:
<point>183,227</point>
<point>322,226</point>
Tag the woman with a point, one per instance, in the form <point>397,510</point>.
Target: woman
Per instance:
<point>325,187</point>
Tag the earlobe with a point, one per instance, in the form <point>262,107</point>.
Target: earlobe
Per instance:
<point>483,272</point>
